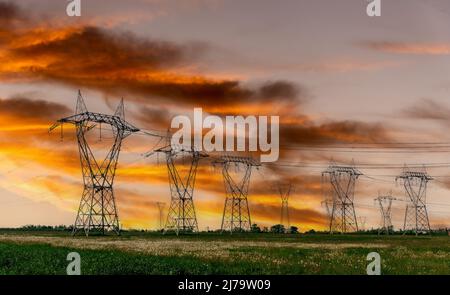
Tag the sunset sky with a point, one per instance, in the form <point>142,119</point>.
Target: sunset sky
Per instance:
<point>345,86</point>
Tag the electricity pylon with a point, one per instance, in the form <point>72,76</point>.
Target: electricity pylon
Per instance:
<point>416,215</point>
<point>328,204</point>
<point>285,190</point>
<point>97,211</point>
<point>181,216</point>
<point>161,206</point>
<point>362,222</point>
<point>342,180</point>
<point>385,203</point>
<point>236,213</point>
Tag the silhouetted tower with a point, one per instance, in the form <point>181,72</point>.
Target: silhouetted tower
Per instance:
<point>97,211</point>
<point>181,216</point>
<point>285,190</point>
<point>416,215</point>
<point>342,180</point>
<point>385,203</point>
<point>362,223</point>
<point>236,213</point>
<point>161,206</point>
<point>328,205</point>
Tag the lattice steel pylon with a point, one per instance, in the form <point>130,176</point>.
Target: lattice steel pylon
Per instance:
<point>181,216</point>
<point>385,203</point>
<point>342,180</point>
<point>362,222</point>
<point>97,211</point>
<point>328,204</point>
<point>416,215</point>
<point>285,190</point>
<point>236,212</point>
<point>161,206</point>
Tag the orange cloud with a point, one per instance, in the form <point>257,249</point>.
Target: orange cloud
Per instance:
<point>120,63</point>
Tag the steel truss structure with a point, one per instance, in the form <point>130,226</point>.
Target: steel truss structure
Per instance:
<point>181,216</point>
<point>416,215</point>
<point>284,191</point>
<point>97,211</point>
<point>236,212</point>
<point>362,223</point>
<point>385,203</point>
<point>161,206</point>
<point>328,205</point>
<point>342,180</point>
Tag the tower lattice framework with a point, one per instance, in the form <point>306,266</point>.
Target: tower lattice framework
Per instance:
<point>328,205</point>
<point>416,215</point>
<point>342,180</point>
<point>362,223</point>
<point>161,206</point>
<point>97,210</point>
<point>181,216</point>
<point>385,203</point>
<point>236,212</point>
<point>284,191</point>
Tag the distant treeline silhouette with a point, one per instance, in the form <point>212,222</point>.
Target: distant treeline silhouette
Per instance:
<point>275,229</point>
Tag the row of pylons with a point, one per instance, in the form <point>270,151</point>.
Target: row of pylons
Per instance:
<point>98,211</point>
<point>341,208</point>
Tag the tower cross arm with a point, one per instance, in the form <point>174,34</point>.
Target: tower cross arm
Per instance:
<point>414,174</point>
<point>112,120</point>
<point>342,169</point>
<point>169,149</point>
<point>236,159</point>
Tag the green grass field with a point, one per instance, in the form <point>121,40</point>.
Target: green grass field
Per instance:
<point>153,253</point>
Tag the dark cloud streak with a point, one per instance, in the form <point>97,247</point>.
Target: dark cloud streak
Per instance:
<point>428,109</point>
<point>29,109</point>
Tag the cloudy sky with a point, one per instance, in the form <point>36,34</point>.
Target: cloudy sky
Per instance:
<point>347,87</point>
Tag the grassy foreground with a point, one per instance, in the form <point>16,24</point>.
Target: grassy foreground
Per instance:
<point>152,253</point>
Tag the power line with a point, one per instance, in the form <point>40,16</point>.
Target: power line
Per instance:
<point>363,166</point>
<point>359,150</point>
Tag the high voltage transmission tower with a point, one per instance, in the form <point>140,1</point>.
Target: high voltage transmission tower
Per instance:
<point>285,190</point>
<point>342,180</point>
<point>236,213</point>
<point>416,215</point>
<point>97,211</point>
<point>161,206</point>
<point>181,215</point>
<point>328,204</point>
<point>385,203</point>
<point>362,222</point>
